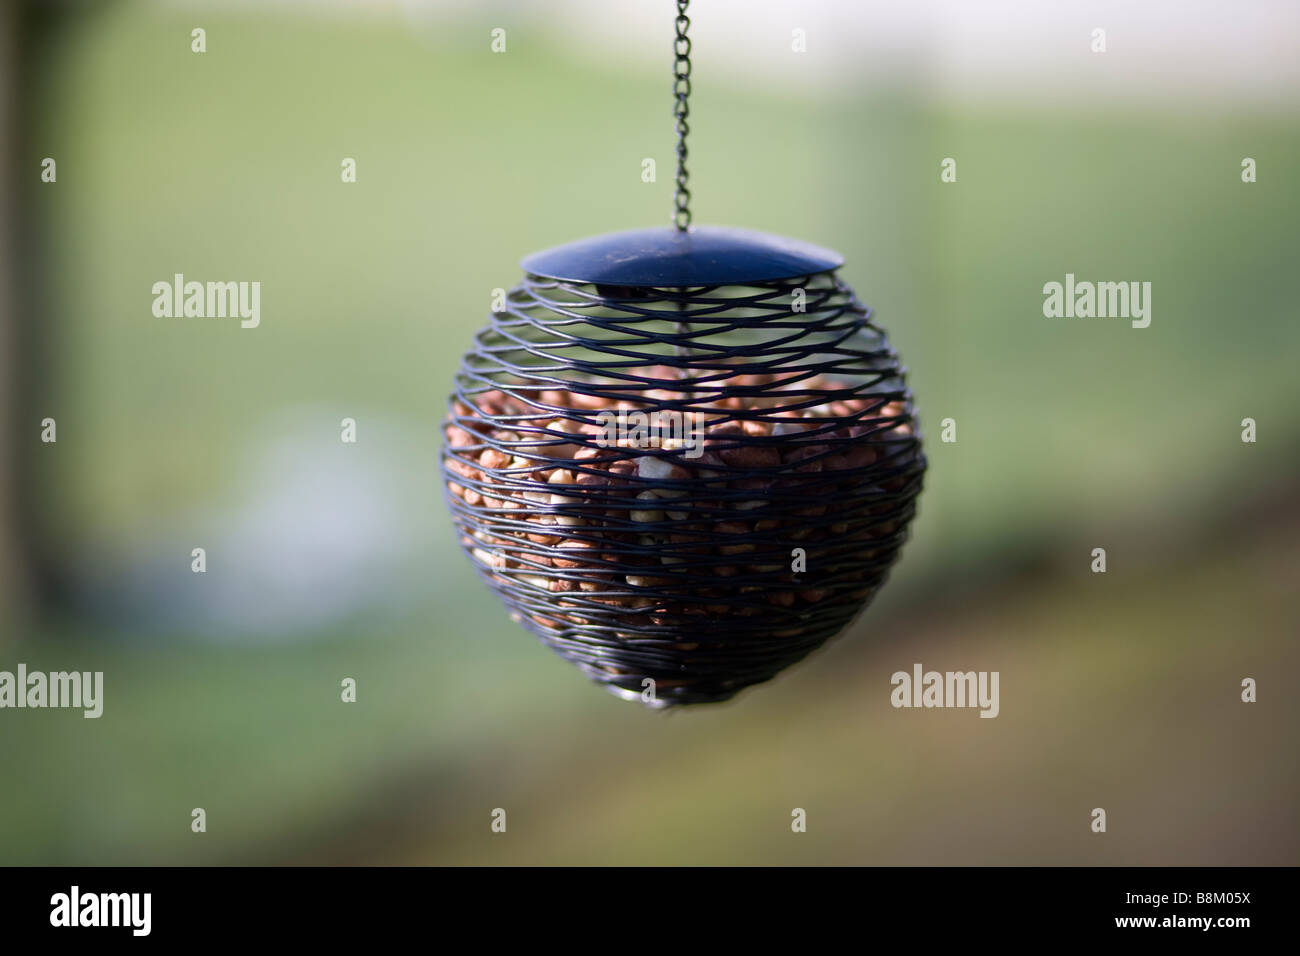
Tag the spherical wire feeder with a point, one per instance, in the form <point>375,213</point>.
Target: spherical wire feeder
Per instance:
<point>683,458</point>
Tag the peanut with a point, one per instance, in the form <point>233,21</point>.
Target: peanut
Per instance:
<point>831,466</point>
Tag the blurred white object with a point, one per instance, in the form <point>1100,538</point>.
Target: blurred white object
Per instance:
<point>313,531</point>
<point>1157,50</point>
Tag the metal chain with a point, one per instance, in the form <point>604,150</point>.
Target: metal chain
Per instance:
<point>682,110</point>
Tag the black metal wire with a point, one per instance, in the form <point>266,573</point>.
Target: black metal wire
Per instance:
<point>811,443</point>
<point>681,111</point>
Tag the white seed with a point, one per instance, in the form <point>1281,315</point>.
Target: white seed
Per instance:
<point>569,428</point>
<point>566,521</point>
<point>644,581</point>
<point>562,476</point>
<point>657,469</point>
<point>669,493</point>
<point>647,516</point>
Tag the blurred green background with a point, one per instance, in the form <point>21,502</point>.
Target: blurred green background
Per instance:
<point>328,560</point>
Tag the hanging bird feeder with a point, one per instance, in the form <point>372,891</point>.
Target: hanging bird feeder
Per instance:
<point>683,457</point>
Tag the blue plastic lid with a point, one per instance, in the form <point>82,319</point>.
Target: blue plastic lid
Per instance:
<point>664,256</point>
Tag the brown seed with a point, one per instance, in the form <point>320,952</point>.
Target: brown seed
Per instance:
<point>743,547</point>
<point>706,459</point>
<point>458,467</point>
<point>728,432</point>
<point>751,456</point>
<point>493,458</point>
<point>860,456</point>
<point>576,554</point>
<point>493,402</point>
<point>458,437</point>
<point>803,453</point>
<point>587,402</point>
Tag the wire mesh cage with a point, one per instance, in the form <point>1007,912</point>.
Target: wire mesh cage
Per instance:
<point>683,459</point>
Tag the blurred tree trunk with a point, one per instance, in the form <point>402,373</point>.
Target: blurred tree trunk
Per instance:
<point>12,587</point>
<point>26,578</point>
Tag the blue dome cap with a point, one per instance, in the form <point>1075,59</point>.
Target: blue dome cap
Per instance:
<point>664,256</point>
